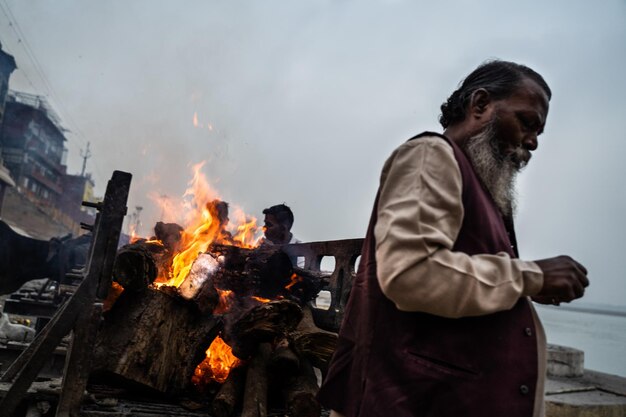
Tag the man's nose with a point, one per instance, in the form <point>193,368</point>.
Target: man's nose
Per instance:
<point>530,142</point>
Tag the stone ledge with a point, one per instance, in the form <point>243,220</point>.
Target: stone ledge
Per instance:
<point>565,361</point>
<point>593,394</point>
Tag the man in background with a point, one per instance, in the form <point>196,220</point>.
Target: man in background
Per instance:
<point>277,225</point>
<point>277,228</point>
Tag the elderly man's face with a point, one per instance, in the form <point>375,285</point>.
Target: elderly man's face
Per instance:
<point>519,120</point>
<point>502,148</point>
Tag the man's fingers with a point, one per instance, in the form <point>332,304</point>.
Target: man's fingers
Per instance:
<point>584,280</point>
<point>579,266</point>
<point>579,290</point>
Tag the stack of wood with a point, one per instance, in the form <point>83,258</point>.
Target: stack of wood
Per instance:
<point>156,337</point>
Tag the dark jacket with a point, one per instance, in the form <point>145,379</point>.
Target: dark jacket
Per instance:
<point>404,364</point>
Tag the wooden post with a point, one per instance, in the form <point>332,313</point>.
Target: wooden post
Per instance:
<point>76,371</point>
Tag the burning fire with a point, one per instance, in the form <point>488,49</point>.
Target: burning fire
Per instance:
<point>225,301</point>
<point>217,365</point>
<point>206,224</point>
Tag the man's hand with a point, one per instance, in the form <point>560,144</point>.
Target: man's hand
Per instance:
<point>564,280</point>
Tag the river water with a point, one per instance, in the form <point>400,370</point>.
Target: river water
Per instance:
<point>601,336</point>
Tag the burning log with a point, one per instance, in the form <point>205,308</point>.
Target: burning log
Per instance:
<point>154,339</point>
<point>137,265</point>
<point>264,271</point>
<point>199,285</point>
<point>261,324</point>
<point>169,234</point>
<point>308,284</point>
<point>157,335</point>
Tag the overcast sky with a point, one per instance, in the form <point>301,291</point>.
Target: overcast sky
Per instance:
<point>306,100</point>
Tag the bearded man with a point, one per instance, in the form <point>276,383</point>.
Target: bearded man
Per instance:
<point>439,321</point>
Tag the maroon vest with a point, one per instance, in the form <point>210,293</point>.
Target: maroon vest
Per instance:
<point>402,364</point>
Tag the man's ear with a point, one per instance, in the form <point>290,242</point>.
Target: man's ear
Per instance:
<point>480,103</point>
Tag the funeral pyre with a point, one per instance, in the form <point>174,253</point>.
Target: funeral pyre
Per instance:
<point>205,308</point>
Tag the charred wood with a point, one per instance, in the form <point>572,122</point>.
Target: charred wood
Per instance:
<point>169,234</point>
<point>283,361</point>
<point>153,339</point>
<point>230,394</point>
<point>137,264</point>
<point>307,284</point>
<point>262,323</point>
<point>264,271</point>
<point>256,389</point>
<point>300,393</point>
<point>316,344</point>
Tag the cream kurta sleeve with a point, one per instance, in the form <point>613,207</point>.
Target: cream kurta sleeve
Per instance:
<point>420,212</point>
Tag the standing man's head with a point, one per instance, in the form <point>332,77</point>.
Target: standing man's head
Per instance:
<point>277,224</point>
<point>496,116</point>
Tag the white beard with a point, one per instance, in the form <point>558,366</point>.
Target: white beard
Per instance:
<point>496,171</point>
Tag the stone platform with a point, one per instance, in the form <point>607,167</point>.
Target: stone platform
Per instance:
<point>572,391</point>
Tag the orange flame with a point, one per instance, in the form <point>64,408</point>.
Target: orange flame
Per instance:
<point>225,301</point>
<point>217,364</point>
<point>205,226</point>
<point>261,299</point>
<point>133,233</point>
<point>114,292</point>
<point>294,280</point>
<point>245,236</point>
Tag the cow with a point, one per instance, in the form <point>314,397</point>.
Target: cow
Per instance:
<point>23,258</point>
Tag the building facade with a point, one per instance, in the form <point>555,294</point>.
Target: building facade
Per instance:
<point>7,66</point>
<point>33,148</point>
<point>76,189</point>
<point>32,141</point>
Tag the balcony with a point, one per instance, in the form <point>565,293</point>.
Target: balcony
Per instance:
<point>54,186</point>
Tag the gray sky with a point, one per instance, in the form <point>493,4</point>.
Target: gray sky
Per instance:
<point>308,98</point>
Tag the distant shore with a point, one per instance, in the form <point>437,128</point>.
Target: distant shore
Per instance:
<point>589,309</point>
